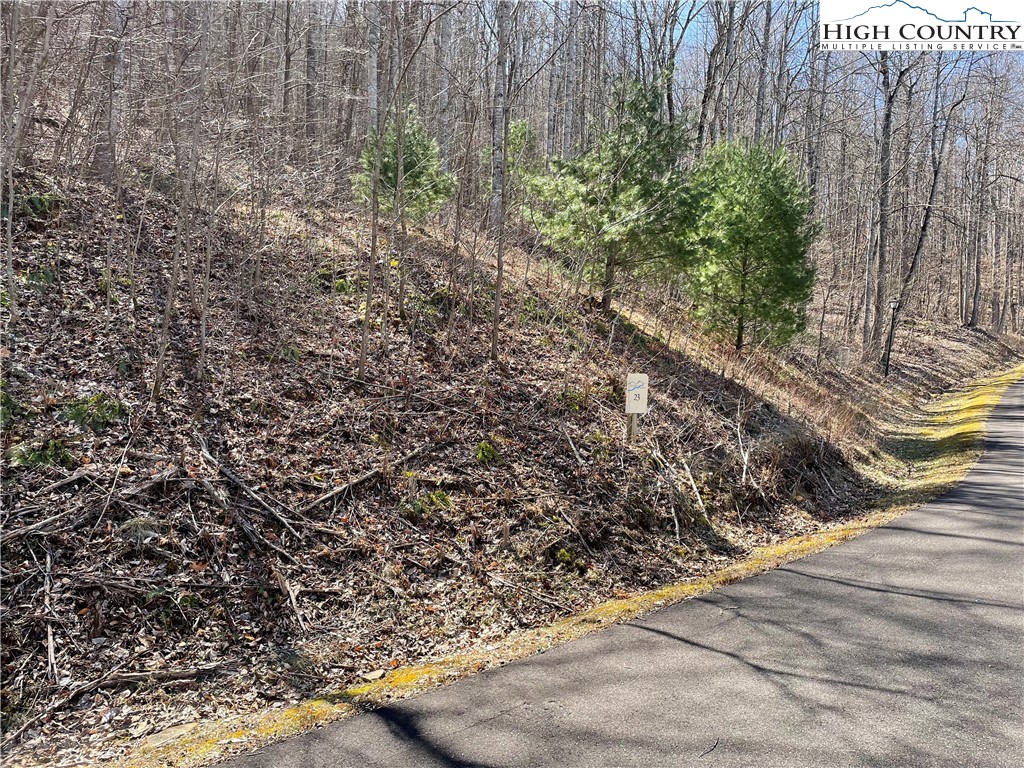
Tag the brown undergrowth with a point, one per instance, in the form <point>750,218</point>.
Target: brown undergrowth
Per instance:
<point>947,437</point>
<point>271,530</point>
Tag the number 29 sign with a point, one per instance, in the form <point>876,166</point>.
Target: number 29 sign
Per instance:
<point>636,393</point>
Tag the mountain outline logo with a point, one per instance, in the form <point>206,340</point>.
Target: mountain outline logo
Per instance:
<point>928,25</point>
<point>903,4</point>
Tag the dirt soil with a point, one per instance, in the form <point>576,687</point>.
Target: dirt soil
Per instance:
<point>269,528</point>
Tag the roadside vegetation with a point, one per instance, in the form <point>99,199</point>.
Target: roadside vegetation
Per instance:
<point>275,530</point>
<point>933,466</point>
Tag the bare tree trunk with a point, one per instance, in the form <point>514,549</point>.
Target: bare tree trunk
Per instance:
<point>187,158</point>
<point>312,76</point>
<point>976,295</point>
<point>498,124</point>
<point>762,74</point>
<point>372,66</point>
<point>20,113</point>
<point>569,69</point>
<point>372,267</point>
<point>105,161</point>
<point>829,287</point>
<point>445,41</point>
<point>939,144</point>
<point>984,186</point>
<point>885,185</point>
<point>1006,288</point>
<point>287,53</point>
<point>499,162</point>
<point>870,260</point>
<point>741,309</point>
<point>10,150</point>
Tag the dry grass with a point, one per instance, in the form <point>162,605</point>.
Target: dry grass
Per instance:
<point>938,447</point>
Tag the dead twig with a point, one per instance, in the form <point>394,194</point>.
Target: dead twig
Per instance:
<point>289,591</point>
<point>162,675</point>
<point>132,424</point>
<point>696,491</point>
<point>153,480</point>
<point>244,487</point>
<point>218,496</point>
<point>399,592</point>
<point>744,453</point>
<point>709,750</point>
<point>532,592</point>
<point>151,456</point>
<point>368,475</point>
<point>72,478</point>
<point>666,468</point>
<point>66,700</point>
<point>258,538</point>
<point>824,477</point>
<point>19,532</point>
<point>572,445</point>
<point>343,591</point>
<point>51,656</point>
<point>579,534</point>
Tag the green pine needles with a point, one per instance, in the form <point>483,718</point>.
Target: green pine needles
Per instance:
<point>424,187</point>
<point>622,205</point>
<point>736,229</point>
<point>753,230</point>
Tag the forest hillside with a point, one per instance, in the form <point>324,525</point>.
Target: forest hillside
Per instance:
<point>318,316</point>
<point>278,529</point>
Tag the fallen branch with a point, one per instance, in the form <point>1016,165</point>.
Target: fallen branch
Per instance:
<point>696,491</point>
<point>744,453</point>
<point>216,493</point>
<point>403,393</point>
<point>152,456</point>
<point>825,478</point>
<point>344,591</point>
<point>572,445</point>
<point>258,538</point>
<point>575,529</point>
<point>51,656</point>
<point>65,701</point>
<point>144,485</point>
<point>72,478</point>
<point>244,487</point>
<point>532,592</point>
<point>667,467</point>
<point>289,591</point>
<point>132,424</point>
<point>161,675</point>
<point>369,475</point>
<point>399,592</point>
<point>18,532</point>
<point>106,582</point>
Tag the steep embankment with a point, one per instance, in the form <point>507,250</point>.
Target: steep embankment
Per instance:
<point>269,528</point>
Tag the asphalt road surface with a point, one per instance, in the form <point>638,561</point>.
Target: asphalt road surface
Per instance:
<point>903,647</point>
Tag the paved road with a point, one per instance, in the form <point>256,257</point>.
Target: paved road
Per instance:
<point>904,647</point>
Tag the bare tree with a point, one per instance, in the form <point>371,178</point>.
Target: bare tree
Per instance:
<point>499,162</point>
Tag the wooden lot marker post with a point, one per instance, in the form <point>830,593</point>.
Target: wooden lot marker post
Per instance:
<point>636,401</point>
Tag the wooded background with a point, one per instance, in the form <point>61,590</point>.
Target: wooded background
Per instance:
<point>913,158</point>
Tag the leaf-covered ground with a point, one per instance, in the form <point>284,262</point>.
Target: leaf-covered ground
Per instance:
<point>270,528</point>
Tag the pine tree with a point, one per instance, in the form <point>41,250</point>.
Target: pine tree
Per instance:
<point>424,184</point>
<point>623,203</point>
<point>753,232</point>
